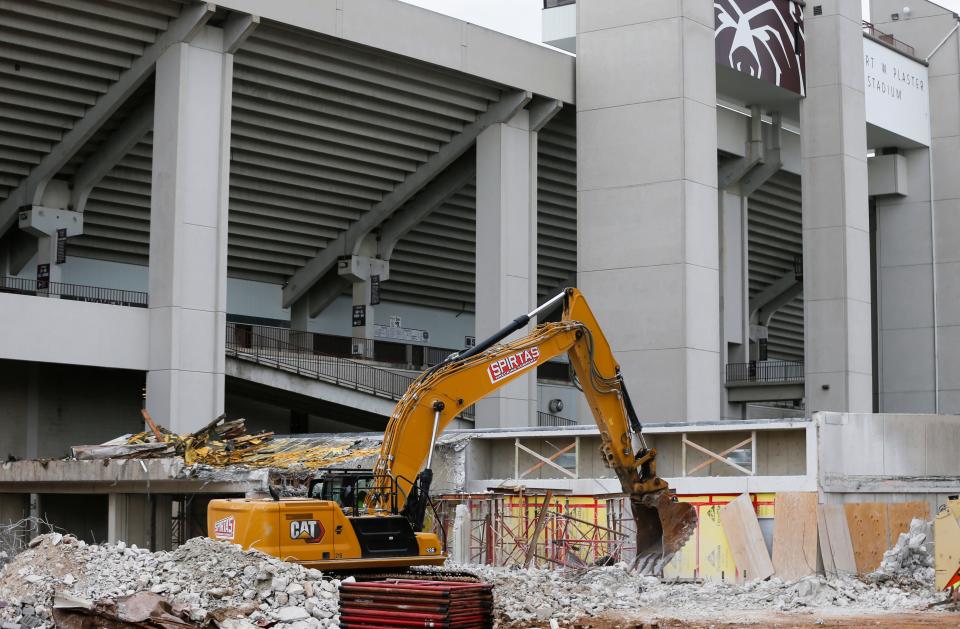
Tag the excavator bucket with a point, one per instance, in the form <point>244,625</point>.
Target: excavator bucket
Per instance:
<point>663,527</point>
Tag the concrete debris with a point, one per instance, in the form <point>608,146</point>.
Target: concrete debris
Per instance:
<point>216,584</point>
<point>909,562</point>
<point>537,596</point>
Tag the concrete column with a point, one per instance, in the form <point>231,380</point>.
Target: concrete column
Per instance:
<point>188,233</point>
<point>735,291</point>
<point>904,266</point>
<point>128,519</point>
<point>648,228</point>
<point>836,240</point>
<point>506,277</point>
<point>46,222</point>
<point>361,271</point>
<point>300,335</point>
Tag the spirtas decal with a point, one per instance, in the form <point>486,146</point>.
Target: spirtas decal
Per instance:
<point>310,531</point>
<point>225,528</point>
<point>505,367</point>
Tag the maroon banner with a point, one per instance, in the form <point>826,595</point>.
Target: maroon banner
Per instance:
<point>762,39</point>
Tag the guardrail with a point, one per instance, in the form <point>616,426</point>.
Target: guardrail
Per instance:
<point>765,371</point>
<point>888,39</point>
<point>75,292</point>
<point>547,419</point>
<point>292,351</point>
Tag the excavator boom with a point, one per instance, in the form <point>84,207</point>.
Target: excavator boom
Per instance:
<point>443,392</point>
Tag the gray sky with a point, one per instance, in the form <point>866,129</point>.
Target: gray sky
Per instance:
<point>521,18</point>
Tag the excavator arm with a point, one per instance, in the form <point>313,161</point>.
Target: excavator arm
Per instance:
<point>443,392</point>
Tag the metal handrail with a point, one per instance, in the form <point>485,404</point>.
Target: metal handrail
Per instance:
<point>886,38</point>
<point>766,371</point>
<point>292,351</point>
<point>75,292</point>
<point>548,419</point>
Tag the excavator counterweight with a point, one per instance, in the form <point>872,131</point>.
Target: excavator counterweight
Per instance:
<point>375,519</point>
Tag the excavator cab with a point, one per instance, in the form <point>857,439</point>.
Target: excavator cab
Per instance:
<point>348,488</point>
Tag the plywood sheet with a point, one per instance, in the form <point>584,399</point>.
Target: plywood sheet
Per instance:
<point>742,530</point>
<point>838,535</point>
<point>795,535</point>
<point>899,516</point>
<point>867,522</point>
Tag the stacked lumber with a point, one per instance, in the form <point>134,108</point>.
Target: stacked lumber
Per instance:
<point>412,603</point>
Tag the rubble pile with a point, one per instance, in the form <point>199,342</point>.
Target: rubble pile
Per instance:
<point>535,595</point>
<point>909,562</point>
<point>218,584</point>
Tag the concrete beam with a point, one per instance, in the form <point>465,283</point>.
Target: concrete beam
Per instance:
<point>96,167</point>
<point>542,111</point>
<point>454,44</point>
<point>433,196</point>
<point>303,280</point>
<point>765,392</point>
<point>237,29</point>
<point>776,295</point>
<point>30,190</point>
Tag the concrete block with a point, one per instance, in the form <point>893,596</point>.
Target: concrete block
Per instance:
<point>903,234</point>
<point>653,317</point>
<point>948,294</point>
<point>835,192</point>
<point>699,125</point>
<point>906,297</point>
<point>860,343</point>
<point>823,259</point>
<point>656,47</point>
<point>947,232</point>
<point>604,14</point>
<point>949,357</point>
<point>950,401</point>
<point>699,58</point>
<point>702,394</point>
<point>608,141</point>
<point>826,338</point>
<point>702,308</point>
<point>651,376</point>
<point>701,225</point>
<point>822,125</point>
<point>642,226</point>
<point>907,360</point>
<point>907,402</point>
<point>944,121</point>
<point>904,446</point>
<point>887,175</point>
<point>946,181</point>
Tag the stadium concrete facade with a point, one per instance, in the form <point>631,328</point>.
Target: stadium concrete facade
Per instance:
<point>285,210</point>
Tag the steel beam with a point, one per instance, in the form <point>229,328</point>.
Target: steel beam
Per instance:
<point>237,29</point>
<point>304,279</point>
<point>192,19</point>
<point>96,167</point>
<point>433,196</point>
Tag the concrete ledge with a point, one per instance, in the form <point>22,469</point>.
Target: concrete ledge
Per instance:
<point>50,330</point>
<point>121,476</point>
<point>684,486</point>
<point>440,40</point>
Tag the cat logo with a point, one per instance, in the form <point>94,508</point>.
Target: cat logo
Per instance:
<point>311,531</point>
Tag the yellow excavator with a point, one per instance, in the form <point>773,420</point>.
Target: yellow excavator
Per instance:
<point>355,520</point>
